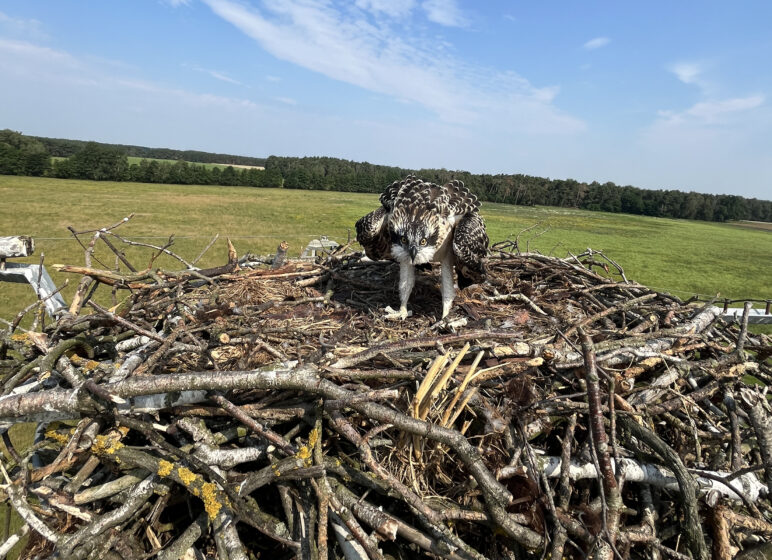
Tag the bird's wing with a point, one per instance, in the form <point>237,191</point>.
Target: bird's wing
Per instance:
<point>451,199</point>
<point>458,199</point>
<point>373,235</point>
<point>470,245</point>
<point>400,191</point>
<point>414,194</point>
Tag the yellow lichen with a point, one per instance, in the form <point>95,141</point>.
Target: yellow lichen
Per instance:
<point>57,437</point>
<point>209,496</point>
<point>21,337</point>
<point>165,468</point>
<point>304,453</point>
<point>89,365</point>
<point>186,476</point>
<point>107,445</point>
<point>313,437</point>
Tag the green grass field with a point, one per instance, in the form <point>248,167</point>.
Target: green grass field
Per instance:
<point>679,256</point>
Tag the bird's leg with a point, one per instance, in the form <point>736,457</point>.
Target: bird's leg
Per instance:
<point>406,283</point>
<point>448,291</point>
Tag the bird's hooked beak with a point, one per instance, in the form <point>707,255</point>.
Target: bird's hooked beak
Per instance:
<point>413,250</point>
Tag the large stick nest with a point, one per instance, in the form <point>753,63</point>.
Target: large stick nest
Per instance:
<point>256,412</point>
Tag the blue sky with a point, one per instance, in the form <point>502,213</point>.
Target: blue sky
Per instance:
<point>655,94</point>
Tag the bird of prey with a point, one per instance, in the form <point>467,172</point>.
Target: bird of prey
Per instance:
<point>419,222</point>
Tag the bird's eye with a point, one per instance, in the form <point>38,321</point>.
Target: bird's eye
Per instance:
<point>403,240</point>
<point>423,241</point>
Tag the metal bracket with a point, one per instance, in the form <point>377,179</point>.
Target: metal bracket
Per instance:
<point>37,276</point>
<point>755,316</point>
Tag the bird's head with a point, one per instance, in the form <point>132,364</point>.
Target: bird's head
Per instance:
<point>414,237</point>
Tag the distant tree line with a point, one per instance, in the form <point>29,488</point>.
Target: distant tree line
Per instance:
<point>26,155</point>
<point>323,173</point>
<point>100,162</point>
<point>59,147</point>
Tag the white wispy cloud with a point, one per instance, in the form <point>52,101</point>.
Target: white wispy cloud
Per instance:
<point>696,74</point>
<point>17,51</point>
<point>712,108</point>
<point>344,46</point>
<point>687,72</point>
<point>286,100</point>
<point>596,43</point>
<point>21,27</point>
<point>391,8</point>
<point>216,74</point>
<point>711,112</point>
<point>30,63</point>
<point>223,77</point>
<point>445,12</point>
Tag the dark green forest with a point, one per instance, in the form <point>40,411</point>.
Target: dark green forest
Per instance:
<point>28,155</point>
<point>59,147</point>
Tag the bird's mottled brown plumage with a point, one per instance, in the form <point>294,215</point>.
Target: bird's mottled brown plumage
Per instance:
<point>419,222</point>
<point>373,236</point>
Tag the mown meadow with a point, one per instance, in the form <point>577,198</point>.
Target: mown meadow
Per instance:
<point>679,256</point>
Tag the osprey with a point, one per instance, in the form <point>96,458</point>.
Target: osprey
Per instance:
<point>420,222</point>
